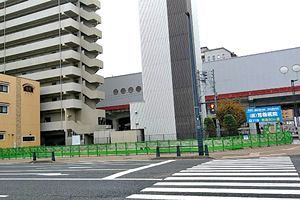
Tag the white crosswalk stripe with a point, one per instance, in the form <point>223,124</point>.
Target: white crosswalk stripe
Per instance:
<point>268,178</point>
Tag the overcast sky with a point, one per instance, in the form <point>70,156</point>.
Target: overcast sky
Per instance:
<point>242,26</point>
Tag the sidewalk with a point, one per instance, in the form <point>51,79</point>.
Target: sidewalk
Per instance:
<point>281,150</point>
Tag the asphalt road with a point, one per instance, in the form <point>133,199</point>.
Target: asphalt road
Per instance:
<point>86,179</point>
<point>265,178</point>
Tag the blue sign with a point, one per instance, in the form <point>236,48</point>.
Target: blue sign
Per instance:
<point>264,114</point>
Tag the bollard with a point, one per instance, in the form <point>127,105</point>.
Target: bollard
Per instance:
<point>34,156</point>
<point>206,153</point>
<point>52,156</point>
<point>157,152</point>
<point>178,151</point>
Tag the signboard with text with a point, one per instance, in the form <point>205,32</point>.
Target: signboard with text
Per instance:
<point>264,114</point>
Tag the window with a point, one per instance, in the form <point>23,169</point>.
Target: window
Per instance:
<point>28,88</point>
<point>208,58</point>
<point>2,135</point>
<point>130,90</point>
<point>116,92</point>
<point>123,90</point>
<point>47,119</point>
<point>3,88</point>
<point>138,88</point>
<point>4,109</point>
<point>28,138</point>
<point>213,58</point>
<point>218,57</point>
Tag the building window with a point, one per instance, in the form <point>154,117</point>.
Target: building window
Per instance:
<point>208,58</point>
<point>213,58</point>
<point>123,90</point>
<point>138,88</point>
<point>101,121</point>
<point>3,88</point>
<point>28,138</point>
<point>116,92</point>
<point>4,109</point>
<point>218,57</point>
<point>130,90</point>
<point>47,119</point>
<point>2,135</point>
<point>28,88</point>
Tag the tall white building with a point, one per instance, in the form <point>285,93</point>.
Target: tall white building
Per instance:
<point>54,42</point>
<point>166,27</point>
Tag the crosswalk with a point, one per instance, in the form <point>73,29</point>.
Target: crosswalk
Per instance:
<point>265,178</point>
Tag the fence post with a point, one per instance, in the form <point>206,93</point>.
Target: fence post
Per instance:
<point>276,138</point>
<point>70,151</point>
<point>242,141</point>
<point>126,149</point>
<point>136,150</point>
<point>88,150</point>
<point>97,150</point>
<point>169,146</point>
<point>178,151</point>
<point>52,156</point>
<point>79,150</point>
<point>223,145</point>
<point>116,148</point>
<point>268,139</point>
<point>157,152</point>
<point>206,153</point>
<point>106,150</point>
<point>34,156</point>
<point>213,144</point>
<point>232,143</point>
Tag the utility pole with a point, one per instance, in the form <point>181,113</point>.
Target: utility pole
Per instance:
<point>215,100</point>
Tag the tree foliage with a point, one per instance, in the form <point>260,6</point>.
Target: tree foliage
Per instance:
<point>231,107</point>
<point>209,127</point>
<point>230,124</point>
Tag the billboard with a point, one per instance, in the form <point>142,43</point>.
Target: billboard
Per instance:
<point>264,114</point>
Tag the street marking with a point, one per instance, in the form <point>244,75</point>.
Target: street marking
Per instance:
<point>3,196</point>
<point>236,174</point>
<point>238,170</point>
<point>79,179</point>
<point>59,170</point>
<point>229,184</point>
<point>136,169</point>
<point>227,191</point>
<point>80,167</point>
<point>235,178</point>
<point>38,174</point>
<point>177,197</point>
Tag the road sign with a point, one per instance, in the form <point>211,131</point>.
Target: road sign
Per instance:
<point>264,114</point>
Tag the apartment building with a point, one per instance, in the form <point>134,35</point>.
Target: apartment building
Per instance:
<point>54,42</point>
<point>19,112</point>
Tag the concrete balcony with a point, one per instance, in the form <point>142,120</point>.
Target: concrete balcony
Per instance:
<point>65,88</point>
<point>92,3</point>
<point>49,30</point>
<point>92,78</point>
<point>93,94</point>
<point>64,104</point>
<point>42,17</point>
<point>39,61</point>
<point>49,45</point>
<point>70,125</point>
<point>54,73</point>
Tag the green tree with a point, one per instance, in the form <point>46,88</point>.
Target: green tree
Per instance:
<point>230,125</point>
<point>209,127</point>
<point>232,107</point>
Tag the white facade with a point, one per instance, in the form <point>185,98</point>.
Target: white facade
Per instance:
<point>156,65</point>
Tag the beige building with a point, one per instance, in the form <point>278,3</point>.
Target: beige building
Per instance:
<point>55,43</point>
<point>19,112</point>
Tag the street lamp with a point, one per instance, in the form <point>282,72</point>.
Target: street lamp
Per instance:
<point>197,103</point>
<point>285,70</point>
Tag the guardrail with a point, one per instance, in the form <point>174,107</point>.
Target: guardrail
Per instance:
<point>140,148</point>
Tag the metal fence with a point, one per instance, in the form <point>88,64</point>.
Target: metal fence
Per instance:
<point>149,147</point>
